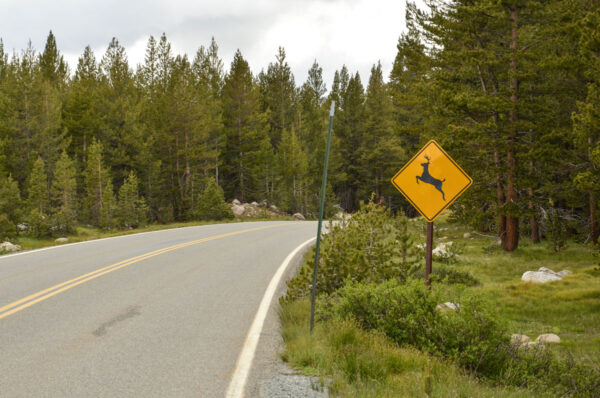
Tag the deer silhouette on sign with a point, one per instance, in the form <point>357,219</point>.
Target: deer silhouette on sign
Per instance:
<point>428,179</point>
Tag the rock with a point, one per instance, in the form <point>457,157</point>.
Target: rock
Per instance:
<point>236,202</point>
<point>519,339</point>
<point>263,203</point>
<point>61,240</point>
<point>548,338</point>
<point>238,210</point>
<point>274,208</point>
<point>565,272</point>
<point>22,227</point>
<point>467,235</point>
<point>7,247</point>
<point>540,277</point>
<point>299,216</point>
<point>447,306</point>
<point>254,204</point>
<point>547,270</point>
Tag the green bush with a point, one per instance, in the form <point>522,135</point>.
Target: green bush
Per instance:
<point>473,337</point>
<point>7,228</point>
<point>212,205</point>
<point>39,225</point>
<point>62,223</point>
<point>372,246</point>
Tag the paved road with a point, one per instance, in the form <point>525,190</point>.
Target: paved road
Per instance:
<point>170,323</point>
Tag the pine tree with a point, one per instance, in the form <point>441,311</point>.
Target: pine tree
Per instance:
<point>37,188</point>
<point>245,127</point>
<point>278,95</point>
<point>131,208</point>
<point>293,166</point>
<point>109,207</point>
<point>64,194</point>
<point>10,199</point>
<point>212,205</point>
<point>52,65</point>
<point>97,178</point>
<point>381,150</point>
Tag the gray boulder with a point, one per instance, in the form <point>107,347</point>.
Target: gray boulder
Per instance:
<point>238,210</point>
<point>299,216</point>
<point>62,240</point>
<point>7,247</point>
<point>548,338</point>
<point>519,339</point>
<point>540,277</point>
<point>564,272</point>
<point>236,202</point>
<point>448,306</point>
<point>467,235</point>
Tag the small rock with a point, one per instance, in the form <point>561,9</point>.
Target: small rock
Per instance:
<point>263,203</point>
<point>274,208</point>
<point>22,227</point>
<point>236,202</point>
<point>238,210</point>
<point>447,306</point>
<point>467,235</point>
<point>519,339</point>
<point>565,272</point>
<point>62,240</point>
<point>547,270</point>
<point>7,247</point>
<point>540,277</point>
<point>299,216</point>
<point>547,338</point>
<point>254,203</point>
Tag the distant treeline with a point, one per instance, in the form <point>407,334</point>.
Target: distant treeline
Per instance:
<point>509,88</point>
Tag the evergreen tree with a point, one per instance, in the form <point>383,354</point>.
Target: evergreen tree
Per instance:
<point>212,205</point>
<point>37,188</point>
<point>109,207</point>
<point>245,127</point>
<point>97,179</point>
<point>293,166</point>
<point>131,208</point>
<point>10,199</point>
<point>64,194</point>
<point>278,94</point>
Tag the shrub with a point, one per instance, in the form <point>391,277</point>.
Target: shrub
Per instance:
<point>7,228</point>
<point>473,337</point>
<point>406,312</point>
<point>39,224</point>
<point>372,246</point>
<point>212,205</point>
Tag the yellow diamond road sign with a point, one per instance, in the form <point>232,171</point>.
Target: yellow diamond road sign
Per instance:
<point>431,181</point>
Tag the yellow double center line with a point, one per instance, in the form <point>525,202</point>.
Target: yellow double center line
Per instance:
<point>45,294</point>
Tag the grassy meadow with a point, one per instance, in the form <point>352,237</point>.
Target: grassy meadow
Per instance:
<point>358,363</point>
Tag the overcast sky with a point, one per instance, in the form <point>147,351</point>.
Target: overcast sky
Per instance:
<point>356,33</point>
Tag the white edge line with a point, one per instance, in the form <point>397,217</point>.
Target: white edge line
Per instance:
<point>115,237</point>
<point>244,362</point>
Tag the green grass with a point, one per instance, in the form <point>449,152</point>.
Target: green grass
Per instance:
<point>89,233</point>
<point>355,363</point>
<point>369,365</point>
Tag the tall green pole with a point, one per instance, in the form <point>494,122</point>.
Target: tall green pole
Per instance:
<point>323,190</point>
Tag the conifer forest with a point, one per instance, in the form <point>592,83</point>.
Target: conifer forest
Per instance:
<point>510,88</point>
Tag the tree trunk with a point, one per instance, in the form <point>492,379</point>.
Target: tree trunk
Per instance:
<point>594,219</point>
<point>512,221</point>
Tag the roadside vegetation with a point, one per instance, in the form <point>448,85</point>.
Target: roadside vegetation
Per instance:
<point>379,333</point>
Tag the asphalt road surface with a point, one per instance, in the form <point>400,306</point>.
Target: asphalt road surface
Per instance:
<point>159,314</point>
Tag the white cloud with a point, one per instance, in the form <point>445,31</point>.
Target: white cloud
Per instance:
<point>356,33</point>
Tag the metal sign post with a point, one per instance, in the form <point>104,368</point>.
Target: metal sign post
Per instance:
<point>429,253</point>
<point>318,245</point>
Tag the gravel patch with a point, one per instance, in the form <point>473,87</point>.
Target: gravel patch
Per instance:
<point>288,384</point>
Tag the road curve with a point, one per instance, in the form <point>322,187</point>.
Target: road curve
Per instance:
<point>159,314</point>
